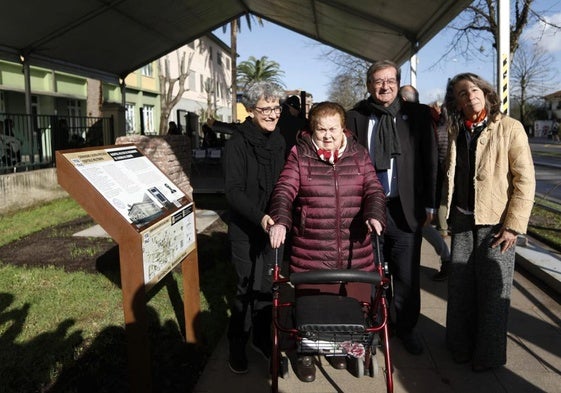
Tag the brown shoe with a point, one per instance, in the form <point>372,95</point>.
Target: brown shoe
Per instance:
<point>338,362</point>
<point>305,368</point>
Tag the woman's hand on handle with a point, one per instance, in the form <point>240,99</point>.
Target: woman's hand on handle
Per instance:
<point>374,226</point>
<point>277,235</point>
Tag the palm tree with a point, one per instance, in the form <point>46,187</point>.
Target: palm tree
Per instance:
<point>263,69</point>
<point>235,27</point>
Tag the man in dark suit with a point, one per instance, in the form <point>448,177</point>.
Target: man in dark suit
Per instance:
<point>402,145</point>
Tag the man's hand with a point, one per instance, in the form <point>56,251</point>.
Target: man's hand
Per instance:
<point>267,222</point>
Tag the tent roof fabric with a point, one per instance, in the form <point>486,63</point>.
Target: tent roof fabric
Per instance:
<point>108,39</point>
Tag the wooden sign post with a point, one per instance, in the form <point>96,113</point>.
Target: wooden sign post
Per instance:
<point>154,224</point>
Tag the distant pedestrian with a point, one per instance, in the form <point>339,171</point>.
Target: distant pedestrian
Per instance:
<point>435,236</point>
<point>555,131</point>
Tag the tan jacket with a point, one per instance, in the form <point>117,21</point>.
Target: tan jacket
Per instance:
<point>504,177</point>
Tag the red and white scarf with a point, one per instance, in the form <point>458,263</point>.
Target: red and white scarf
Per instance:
<point>331,156</point>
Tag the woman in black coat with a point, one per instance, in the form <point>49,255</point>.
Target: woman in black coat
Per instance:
<point>253,160</point>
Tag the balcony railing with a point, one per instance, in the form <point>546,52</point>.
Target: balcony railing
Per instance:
<point>29,141</point>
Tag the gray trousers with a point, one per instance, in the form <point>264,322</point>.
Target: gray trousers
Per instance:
<point>479,286</point>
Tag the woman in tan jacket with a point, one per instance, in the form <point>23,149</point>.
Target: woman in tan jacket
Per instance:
<point>488,193</point>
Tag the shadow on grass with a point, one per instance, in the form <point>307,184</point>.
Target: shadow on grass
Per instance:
<point>58,361</point>
<point>175,365</point>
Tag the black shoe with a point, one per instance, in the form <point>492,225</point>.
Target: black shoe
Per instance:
<point>238,362</point>
<point>412,344</point>
<point>338,362</point>
<point>305,368</point>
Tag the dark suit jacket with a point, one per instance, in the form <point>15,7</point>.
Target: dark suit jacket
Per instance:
<point>417,165</point>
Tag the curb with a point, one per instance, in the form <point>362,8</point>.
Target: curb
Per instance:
<point>542,262</point>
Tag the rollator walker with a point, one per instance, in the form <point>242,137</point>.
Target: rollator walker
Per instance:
<point>334,325</point>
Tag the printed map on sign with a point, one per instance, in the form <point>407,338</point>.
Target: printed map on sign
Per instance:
<point>166,243</point>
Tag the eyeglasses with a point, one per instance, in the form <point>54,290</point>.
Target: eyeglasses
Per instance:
<point>389,82</point>
<point>267,111</point>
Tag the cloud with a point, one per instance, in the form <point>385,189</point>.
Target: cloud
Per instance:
<point>547,37</point>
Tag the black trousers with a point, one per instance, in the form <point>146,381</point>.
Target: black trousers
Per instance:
<point>401,249</point>
<point>251,307</point>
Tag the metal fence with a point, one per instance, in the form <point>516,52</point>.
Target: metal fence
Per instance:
<point>29,141</point>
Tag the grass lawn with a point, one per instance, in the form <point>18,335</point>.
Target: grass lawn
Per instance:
<point>63,331</point>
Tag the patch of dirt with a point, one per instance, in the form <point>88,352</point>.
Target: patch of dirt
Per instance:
<point>58,247</point>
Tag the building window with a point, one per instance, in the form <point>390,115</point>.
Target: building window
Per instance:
<point>74,107</point>
<point>210,53</point>
<point>219,58</point>
<point>147,70</point>
<point>2,102</point>
<point>129,119</point>
<point>148,116</point>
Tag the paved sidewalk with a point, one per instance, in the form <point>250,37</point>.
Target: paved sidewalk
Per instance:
<point>534,352</point>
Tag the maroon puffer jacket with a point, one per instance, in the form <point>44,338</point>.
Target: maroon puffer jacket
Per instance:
<point>327,206</point>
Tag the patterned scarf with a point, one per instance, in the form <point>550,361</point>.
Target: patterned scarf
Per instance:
<point>386,144</point>
<point>331,156</point>
<point>481,118</point>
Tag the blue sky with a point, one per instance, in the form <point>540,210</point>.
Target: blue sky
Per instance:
<point>306,68</point>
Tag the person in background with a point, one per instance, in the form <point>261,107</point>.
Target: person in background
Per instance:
<point>173,129</point>
<point>488,194</point>
<point>209,137</point>
<point>253,159</point>
<point>555,131</point>
<point>10,146</point>
<point>329,195</point>
<point>400,138</point>
<point>290,122</point>
<point>431,233</point>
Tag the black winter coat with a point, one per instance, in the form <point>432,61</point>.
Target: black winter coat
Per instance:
<point>253,160</point>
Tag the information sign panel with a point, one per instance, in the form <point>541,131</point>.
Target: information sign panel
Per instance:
<point>129,181</point>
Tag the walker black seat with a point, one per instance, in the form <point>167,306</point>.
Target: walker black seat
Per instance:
<point>332,315</point>
<point>335,276</point>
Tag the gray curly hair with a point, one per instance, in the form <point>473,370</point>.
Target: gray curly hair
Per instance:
<point>261,89</point>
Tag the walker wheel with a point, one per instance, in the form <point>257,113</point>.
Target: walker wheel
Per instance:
<point>284,367</point>
<point>374,366</point>
<point>356,366</point>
